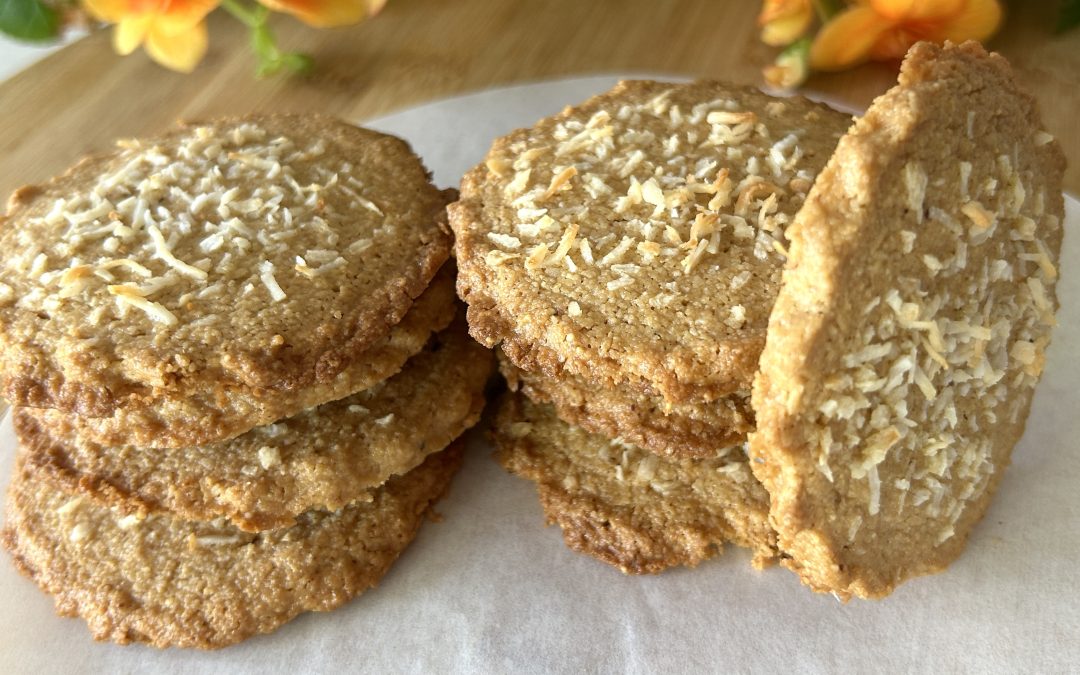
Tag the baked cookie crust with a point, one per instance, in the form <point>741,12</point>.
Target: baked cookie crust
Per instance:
<point>637,239</point>
<point>911,327</point>
<point>325,458</point>
<point>243,256</point>
<point>629,507</point>
<point>222,412</point>
<point>685,430</point>
<point>174,583</point>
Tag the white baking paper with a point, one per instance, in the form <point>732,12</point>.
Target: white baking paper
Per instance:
<point>490,589</point>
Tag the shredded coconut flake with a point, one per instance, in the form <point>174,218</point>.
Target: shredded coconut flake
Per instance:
<point>616,254</point>
<point>565,244</point>
<point>269,457</point>
<point>266,275</point>
<point>505,240</point>
<point>165,254</point>
<point>132,296</point>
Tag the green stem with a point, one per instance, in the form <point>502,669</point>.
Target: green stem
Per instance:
<point>263,43</point>
<point>250,17</point>
<point>826,9</point>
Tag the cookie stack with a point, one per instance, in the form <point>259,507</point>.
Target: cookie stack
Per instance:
<point>633,258</point>
<point>236,370</point>
<point>625,255</point>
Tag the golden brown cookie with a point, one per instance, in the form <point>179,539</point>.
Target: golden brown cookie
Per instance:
<point>174,583</point>
<point>682,430</point>
<point>171,422</point>
<point>629,507</point>
<point>636,239</point>
<point>911,327</point>
<point>324,458</point>
<point>252,258</point>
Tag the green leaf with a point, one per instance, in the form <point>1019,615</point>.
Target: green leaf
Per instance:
<point>267,67</point>
<point>1070,15</point>
<point>28,20</point>
<point>298,63</point>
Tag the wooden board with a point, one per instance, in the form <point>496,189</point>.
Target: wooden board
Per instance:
<point>82,97</point>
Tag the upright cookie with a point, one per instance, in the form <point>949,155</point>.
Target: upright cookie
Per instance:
<point>636,239</point>
<point>323,458</point>
<point>174,583</point>
<point>629,507</point>
<point>253,258</point>
<point>911,327</point>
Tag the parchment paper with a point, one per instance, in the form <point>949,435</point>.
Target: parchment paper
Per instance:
<point>490,589</point>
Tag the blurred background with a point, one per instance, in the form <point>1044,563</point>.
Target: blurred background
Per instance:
<point>60,103</point>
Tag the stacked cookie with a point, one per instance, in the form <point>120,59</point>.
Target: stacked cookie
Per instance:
<point>625,255</point>
<point>236,370</point>
<point>633,259</point>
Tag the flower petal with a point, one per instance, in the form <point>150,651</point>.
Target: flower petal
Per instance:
<point>978,20</point>
<point>894,43</point>
<point>180,15</point>
<point>110,11</point>
<point>784,21</point>
<point>847,39</point>
<point>322,13</point>
<point>771,10</point>
<point>129,33</point>
<point>783,31</point>
<point>178,51</point>
<point>917,10</point>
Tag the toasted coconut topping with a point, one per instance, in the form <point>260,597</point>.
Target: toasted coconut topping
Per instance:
<point>692,194</point>
<point>949,354</point>
<point>180,221</point>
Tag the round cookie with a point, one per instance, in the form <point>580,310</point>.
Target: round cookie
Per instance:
<point>250,257</point>
<point>629,507</point>
<point>324,458</point>
<point>211,416</point>
<point>636,239</point>
<point>911,327</point>
<point>173,583</point>
<point>683,430</point>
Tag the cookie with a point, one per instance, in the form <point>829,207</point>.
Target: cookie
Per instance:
<point>213,415</point>
<point>636,240</point>
<point>174,583</point>
<point>684,430</point>
<point>324,458</point>
<point>629,507</point>
<point>912,325</point>
<point>252,258</point>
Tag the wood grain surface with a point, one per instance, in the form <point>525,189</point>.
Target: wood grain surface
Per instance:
<point>79,99</point>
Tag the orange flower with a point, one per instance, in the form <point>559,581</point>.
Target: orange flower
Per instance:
<point>790,68</point>
<point>885,29</point>
<point>173,31</point>
<point>784,21</point>
<point>327,13</point>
